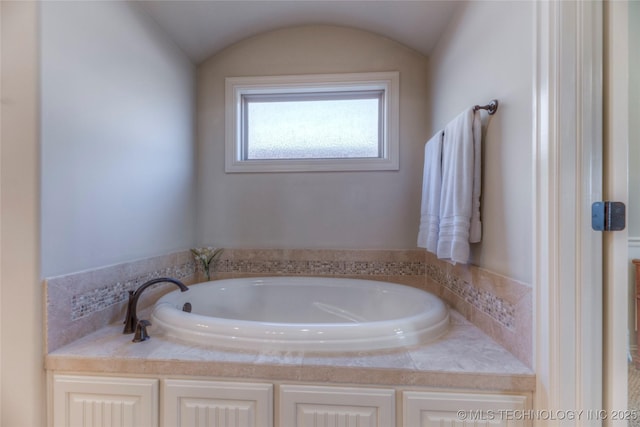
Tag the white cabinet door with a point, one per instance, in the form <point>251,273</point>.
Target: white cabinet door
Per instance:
<point>431,409</point>
<point>194,403</point>
<point>319,406</point>
<point>83,401</point>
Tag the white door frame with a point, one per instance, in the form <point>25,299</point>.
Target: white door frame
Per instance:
<point>1,28</point>
<point>616,245</point>
<point>568,178</point>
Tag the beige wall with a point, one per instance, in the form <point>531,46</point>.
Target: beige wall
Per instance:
<point>311,210</point>
<point>362,210</point>
<point>118,137</point>
<point>100,105</point>
<point>487,52</point>
<point>21,365</point>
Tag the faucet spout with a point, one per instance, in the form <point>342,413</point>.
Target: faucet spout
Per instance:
<point>131,318</point>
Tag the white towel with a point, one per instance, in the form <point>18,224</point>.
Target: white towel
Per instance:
<point>431,186</point>
<point>475,230</point>
<point>460,194</point>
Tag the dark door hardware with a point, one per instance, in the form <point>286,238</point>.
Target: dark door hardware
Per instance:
<point>608,216</point>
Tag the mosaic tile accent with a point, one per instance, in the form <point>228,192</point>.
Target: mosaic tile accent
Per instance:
<point>492,305</point>
<point>323,267</point>
<point>98,299</point>
<point>83,302</point>
<point>95,300</point>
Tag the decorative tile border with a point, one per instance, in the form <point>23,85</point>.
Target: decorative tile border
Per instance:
<point>321,267</point>
<point>87,303</point>
<point>490,304</point>
<point>501,307</point>
<point>346,263</point>
<point>81,303</point>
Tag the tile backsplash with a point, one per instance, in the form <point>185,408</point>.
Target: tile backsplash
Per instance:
<point>377,263</point>
<point>98,299</point>
<point>80,303</point>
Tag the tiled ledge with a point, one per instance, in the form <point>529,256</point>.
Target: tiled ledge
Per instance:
<point>501,307</point>
<point>463,358</point>
<point>78,304</point>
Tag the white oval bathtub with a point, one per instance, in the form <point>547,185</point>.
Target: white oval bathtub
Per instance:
<point>302,313</point>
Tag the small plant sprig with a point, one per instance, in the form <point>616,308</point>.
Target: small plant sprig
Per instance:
<point>206,256</point>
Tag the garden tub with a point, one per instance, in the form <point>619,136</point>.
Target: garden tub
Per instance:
<point>302,314</point>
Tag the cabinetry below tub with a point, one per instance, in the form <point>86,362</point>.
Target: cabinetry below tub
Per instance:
<point>95,401</point>
<point>197,403</point>
<point>320,406</point>
<point>92,401</point>
<point>435,408</point>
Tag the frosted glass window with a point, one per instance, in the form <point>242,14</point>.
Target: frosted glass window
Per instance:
<point>324,128</point>
<point>321,122</point>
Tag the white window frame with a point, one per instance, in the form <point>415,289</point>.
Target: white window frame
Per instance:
<point>237,87</point>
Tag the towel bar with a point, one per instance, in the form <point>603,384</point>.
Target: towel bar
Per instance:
<point>491,107</point>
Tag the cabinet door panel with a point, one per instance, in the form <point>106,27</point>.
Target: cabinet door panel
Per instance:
<point>336,415</point>
<point>216,412</point>
<point>193,403</point>
<point>82,401</point>
<point>319,406</point>
<point>435,409</point>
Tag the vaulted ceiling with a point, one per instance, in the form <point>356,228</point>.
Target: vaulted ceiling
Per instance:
<point>202,28</point>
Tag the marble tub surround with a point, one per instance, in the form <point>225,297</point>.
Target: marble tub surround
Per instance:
<point>80,303</point>
<point>464,358</point>
<point>501,307</point>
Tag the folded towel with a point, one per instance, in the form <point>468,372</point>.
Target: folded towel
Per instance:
<point>475,230</point>
<point>431,186</point>
<point>460,194</point>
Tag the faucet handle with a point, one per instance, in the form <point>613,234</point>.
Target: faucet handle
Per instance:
<point>141,331</point>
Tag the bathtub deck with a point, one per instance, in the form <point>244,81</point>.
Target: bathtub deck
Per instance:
<point>464,357</point>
